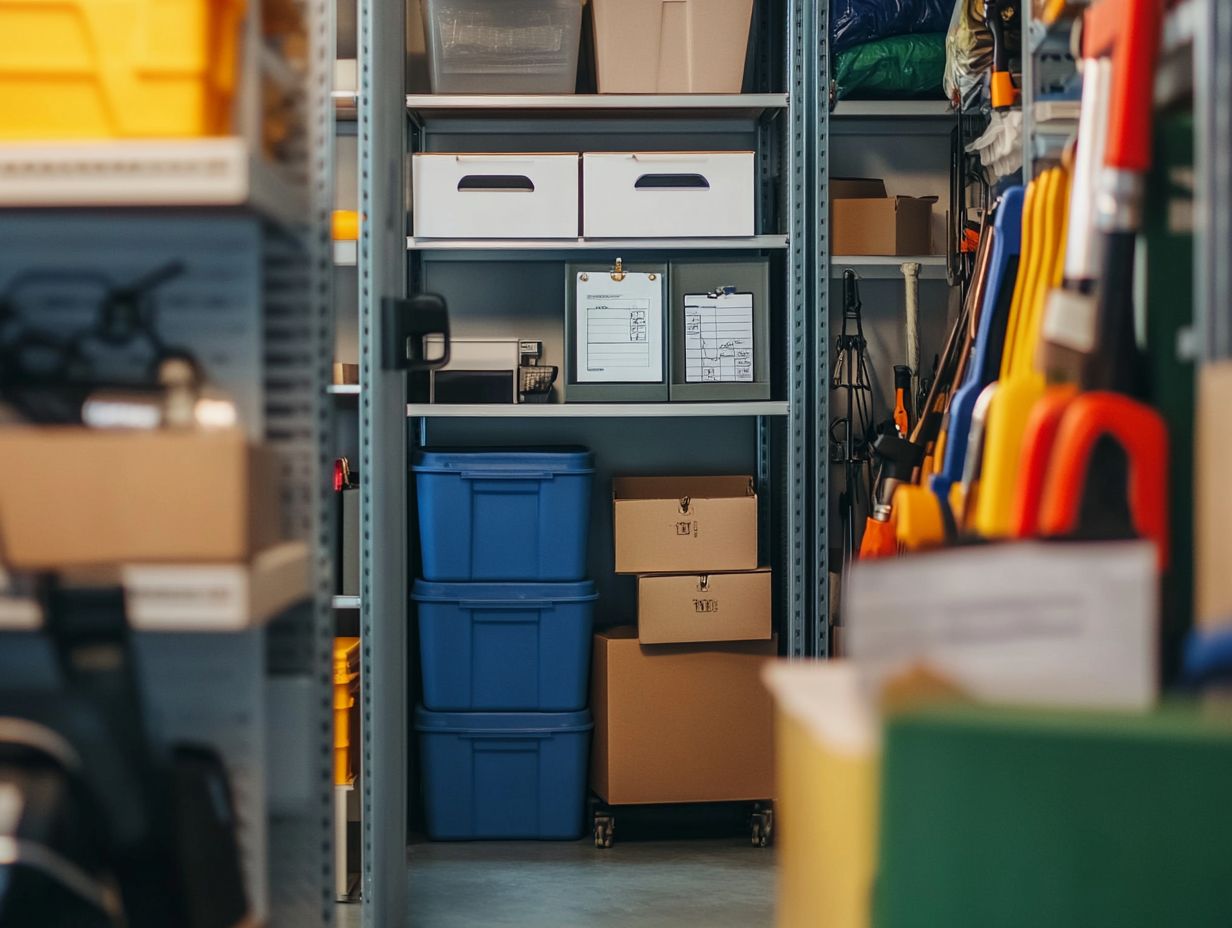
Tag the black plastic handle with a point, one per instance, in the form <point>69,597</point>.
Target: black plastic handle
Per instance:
<point>672,182</point>
<point>514,182</point>
<point>406,324</point>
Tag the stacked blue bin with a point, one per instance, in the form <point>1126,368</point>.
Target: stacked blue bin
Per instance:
<point>505,621</point>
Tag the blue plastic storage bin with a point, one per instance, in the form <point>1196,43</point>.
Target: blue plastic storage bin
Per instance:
<point>504,775</point>
<point>504,514</point>
<point>505,647</point>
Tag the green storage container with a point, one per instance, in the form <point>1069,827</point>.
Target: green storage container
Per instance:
<point>1029,818</point>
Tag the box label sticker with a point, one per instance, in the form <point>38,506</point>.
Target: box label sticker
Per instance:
<point>705,605</point>
<point>686,529</point>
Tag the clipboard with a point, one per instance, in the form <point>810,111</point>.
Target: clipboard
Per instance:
<point>617,333</point>
<point>691,278</point>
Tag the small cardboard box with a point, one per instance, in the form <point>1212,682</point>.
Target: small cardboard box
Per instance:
<point>704,607</point>
<point>681,723</point>
<point>684,524</point>
<point>865,221</point>
<point>81,497</point>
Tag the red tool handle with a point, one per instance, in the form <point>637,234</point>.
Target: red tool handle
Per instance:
<point>1141,431</point>
<point>1129,31</point>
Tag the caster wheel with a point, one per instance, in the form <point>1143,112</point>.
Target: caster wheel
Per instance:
<point>762,826</point>
<point>605,830</point>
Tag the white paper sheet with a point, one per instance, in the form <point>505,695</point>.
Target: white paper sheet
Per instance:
<point>718,337</point>
<point>619,328</point>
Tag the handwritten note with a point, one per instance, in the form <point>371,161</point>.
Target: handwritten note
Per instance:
<point>619,328</point>
<point>718,337</point>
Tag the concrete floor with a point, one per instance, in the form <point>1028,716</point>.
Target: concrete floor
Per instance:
<point>712,883</point>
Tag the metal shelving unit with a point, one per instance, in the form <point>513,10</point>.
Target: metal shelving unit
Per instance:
<point>778,441</point>
<point>606,245</point>
<point>883,267</point>
<point>892,109</point>
<point>253,303</point>
<point>597,410</point>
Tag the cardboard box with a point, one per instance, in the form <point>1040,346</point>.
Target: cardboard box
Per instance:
<point>680,723</point>
<point>1212,501</point>
<point>686,194</point>
<point>865,221</point>
<point>676,525</point>
<point>79,497</point>
<point>495,196</point>
<point>704,607</point>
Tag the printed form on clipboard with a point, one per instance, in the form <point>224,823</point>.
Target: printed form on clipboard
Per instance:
<point>619,328</point>
<point>718,337</point>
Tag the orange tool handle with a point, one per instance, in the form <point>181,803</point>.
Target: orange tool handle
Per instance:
<point>902,389</point>
<point>1129,31</point>
<point>1141,431</point>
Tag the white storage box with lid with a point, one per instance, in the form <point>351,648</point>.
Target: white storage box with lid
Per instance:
<point>502,46</point>
<point>495,196</point>
<point>671,46</point>
<point>667,194</point>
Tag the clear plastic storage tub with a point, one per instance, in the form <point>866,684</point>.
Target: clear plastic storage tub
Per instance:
<point>504,514</point>
<point>502,46</point>
<point>505,647</point>
<point>504,775</point>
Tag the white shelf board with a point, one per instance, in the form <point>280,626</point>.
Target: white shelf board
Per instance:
<point>747,105</point>
<point>872,267</point>
<point>346,253</point>
<point>892,109</point>
<point>194,597</point>
<point>346,602</point>
<point>597,410</point>
<point>343,389</point>
<point>755,242</point>
<point>190,172</point>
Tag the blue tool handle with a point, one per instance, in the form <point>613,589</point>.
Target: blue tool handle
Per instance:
<point>1007,245</point>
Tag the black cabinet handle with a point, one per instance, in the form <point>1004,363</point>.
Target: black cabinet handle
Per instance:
<point>672,182</point>
<point>405,324</point>
<point>489,182</point>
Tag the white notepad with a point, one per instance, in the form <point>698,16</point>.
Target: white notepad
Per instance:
<point>718,337</point>
<point>619,328</point>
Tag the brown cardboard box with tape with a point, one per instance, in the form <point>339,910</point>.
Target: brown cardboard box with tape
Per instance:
<point>684,524</point>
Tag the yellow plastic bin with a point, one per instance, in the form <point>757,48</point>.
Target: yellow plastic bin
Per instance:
<point>78,69</point>
<point>346,682</point>
<point>827,745</point>
<point>671,46</point>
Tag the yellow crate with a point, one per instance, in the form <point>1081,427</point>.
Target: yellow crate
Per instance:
<point>98,69</point>
<point>827,759</point>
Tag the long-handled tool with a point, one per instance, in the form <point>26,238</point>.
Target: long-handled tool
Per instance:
<point>911,303</point>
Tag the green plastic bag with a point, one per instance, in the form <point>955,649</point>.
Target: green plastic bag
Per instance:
<point>902,67</point>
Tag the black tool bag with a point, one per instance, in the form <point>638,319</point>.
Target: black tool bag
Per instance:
<point>98,827</point>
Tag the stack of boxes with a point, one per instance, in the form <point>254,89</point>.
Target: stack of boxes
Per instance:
<point>680,712</point>
<point>505,621</point>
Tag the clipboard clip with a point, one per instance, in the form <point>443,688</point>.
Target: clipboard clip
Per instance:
<point>618,272</point>
<point>721,291</point>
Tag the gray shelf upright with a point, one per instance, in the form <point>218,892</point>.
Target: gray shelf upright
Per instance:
<point>785,437</point>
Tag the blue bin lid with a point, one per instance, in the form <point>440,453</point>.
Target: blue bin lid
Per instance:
<point>426,591</point>
<point>565,460</point>
<point>512,722</point>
